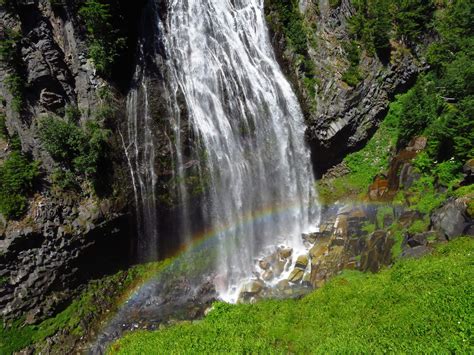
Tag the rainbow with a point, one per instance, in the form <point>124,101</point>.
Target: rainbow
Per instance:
<point>203,241</point>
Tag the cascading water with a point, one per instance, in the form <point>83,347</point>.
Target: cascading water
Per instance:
<point>244,115</point>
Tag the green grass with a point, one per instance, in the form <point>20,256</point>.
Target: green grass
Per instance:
<point>99,296</point>
<point>421,306</point>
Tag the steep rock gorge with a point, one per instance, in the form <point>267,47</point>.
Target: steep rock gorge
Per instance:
<point>340,117</point>
<point>51,250</point>
<point>64,234</point>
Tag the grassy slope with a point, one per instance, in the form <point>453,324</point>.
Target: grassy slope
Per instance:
<point>416,306</point>
<point>86,311</point>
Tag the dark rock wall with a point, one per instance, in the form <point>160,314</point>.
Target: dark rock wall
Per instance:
<point>64,239</point>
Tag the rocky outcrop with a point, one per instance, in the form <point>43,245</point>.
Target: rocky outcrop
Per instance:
<point>341,118</point>
<point>452,219</point>
<point>44,258</point>
<point>65,238</point>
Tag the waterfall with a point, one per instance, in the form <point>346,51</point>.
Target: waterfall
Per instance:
<point>245,129</point>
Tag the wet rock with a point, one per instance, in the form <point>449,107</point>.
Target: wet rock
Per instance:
<point>337,241</point>
<point>317,251</point>
<point>310,238</point>
<point>301,262</point>
<point>407,218</point>
<point>264,264</point>
<point>279,267</point>
<point>250,291</point>
<point>296,275</point>
<point>306,279</point>
<point>285,253</point>
<point>267,275</point>
<point>378,253</point>
<point>378,190</point>
<point>283,285</point>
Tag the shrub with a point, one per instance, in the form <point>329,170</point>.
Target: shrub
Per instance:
<point>15,85</point>
<point>9,47</point>
<point>78,149</point>
<point>104,42</point>
<point>17,175</point>
<point>3,125</point>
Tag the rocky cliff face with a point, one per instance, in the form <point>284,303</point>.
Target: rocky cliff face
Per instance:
<point>64,238</point>
<point>50,251</point>
<point>340,117</point>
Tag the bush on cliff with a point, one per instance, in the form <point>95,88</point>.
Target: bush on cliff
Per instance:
<point>17,174</point>
<point>78,149</point>
<point>103,39</point>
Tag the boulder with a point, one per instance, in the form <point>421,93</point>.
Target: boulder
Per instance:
<point>416,252</point>
<point>296,275</point>
<point>317,251</point>
<point>378,252</point>
<point>267,275</point>
<point>285,253</point>
<point>264,264</point>
<point>468,170</point>
<point>250,291</point>
<point>301,262</point>
<point>425,238</point>
<point>283,285</point>
<point>278,267</point>
<point>452,220</point>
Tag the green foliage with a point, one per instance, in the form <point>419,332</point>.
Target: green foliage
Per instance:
<point>290,21</point>
<point>100,298</point>
<point>369,227</point>
<point>15,85</point>
<point>286,18</point>
<point>352,76</point>
<point>3,126</point>
<point>104,41</point>
<point>382,213</point>
<point>412,18</point>
<point>377,21</point>
<point>64,179</point>
<point>440,106</point>
<point>398,238</point>
<point>72,113</point>
<point>419,226</point>
<point>9,47</point>
<point>421,306</point>
<point>17,175</point>
<point>79,149</point>
<point>423,196</point>
<point>334,3</point>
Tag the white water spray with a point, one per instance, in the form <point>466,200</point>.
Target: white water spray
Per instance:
<point>245,115</point>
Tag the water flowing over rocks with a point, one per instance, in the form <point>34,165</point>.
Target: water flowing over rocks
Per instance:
<point>232,132</point>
